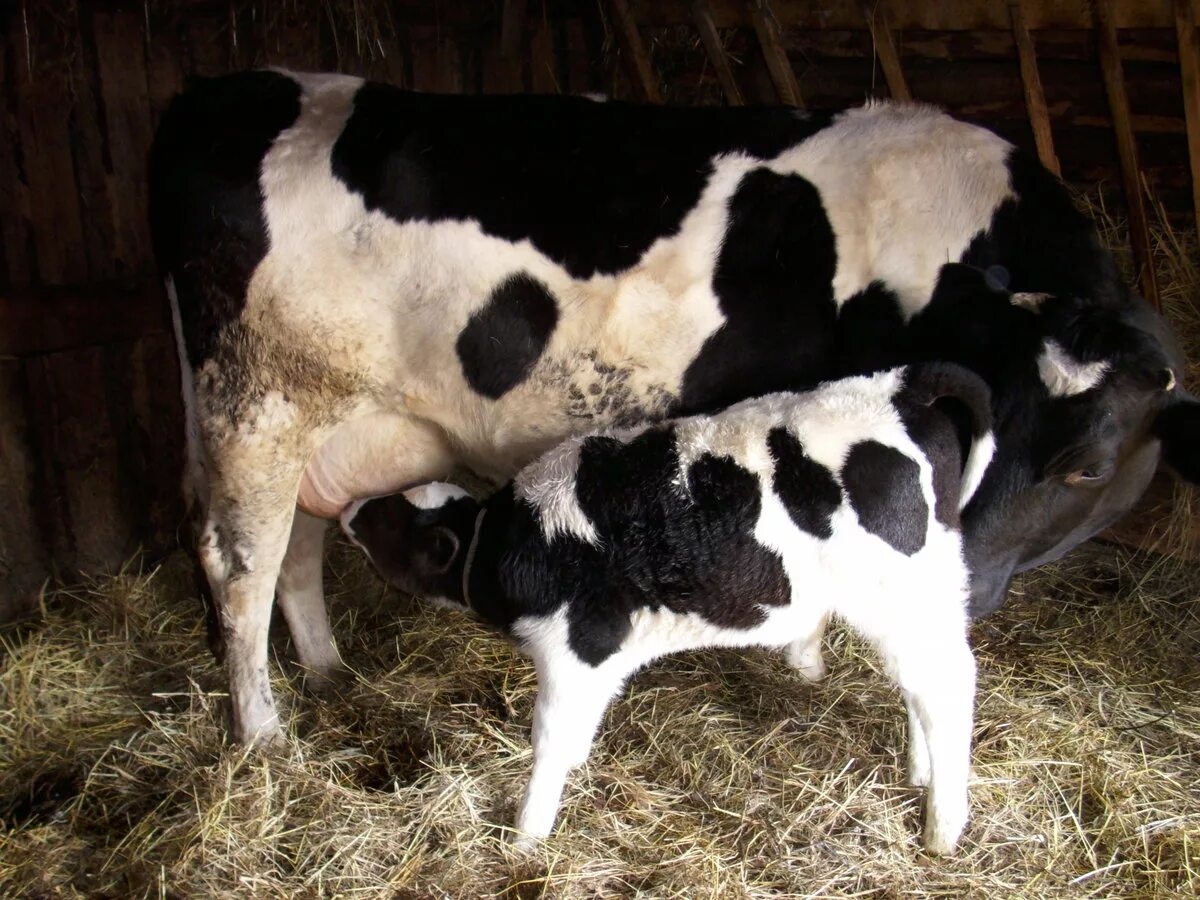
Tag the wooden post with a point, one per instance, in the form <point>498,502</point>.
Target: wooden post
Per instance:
<point>716,52</point>
<point>766,26</point>
<point>14,197</point>
<point>1035,99</point>
<point>120,42</point>
<point>543,61</point>
<point>635,50</point>
<point>1189,70</point>
<point>885,49</point>
<point>1118,102</point>
<point>512,23</point>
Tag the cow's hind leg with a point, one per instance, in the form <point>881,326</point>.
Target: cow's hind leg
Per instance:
<point>242,547</point>
<point>302,599</point>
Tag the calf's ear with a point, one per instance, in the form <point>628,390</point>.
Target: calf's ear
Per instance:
<point>435,551</point>
<point>1178,427</point>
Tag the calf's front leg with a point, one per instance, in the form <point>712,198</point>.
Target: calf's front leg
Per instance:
<point>571,700</point>
<point>938,679</point>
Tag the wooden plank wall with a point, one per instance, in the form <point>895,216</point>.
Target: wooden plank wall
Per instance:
<point>89,409</point>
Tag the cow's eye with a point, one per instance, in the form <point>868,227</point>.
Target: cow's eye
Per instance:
<point>1089,476</point>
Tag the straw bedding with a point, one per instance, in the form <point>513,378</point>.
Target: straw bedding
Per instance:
<point>716,774</point>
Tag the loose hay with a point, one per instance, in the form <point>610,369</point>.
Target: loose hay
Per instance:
<point>716,774</point>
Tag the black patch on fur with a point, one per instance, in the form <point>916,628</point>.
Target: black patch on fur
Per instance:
<point>1042,242</point>
<point>885,490</point>
<point>945,408</point>
<point>937,434</point>
<point>688,550</point>
<point>205,203</point>
<point>591,185</point>
<point>1178,427</point>
<point>502,341</point>
<point>774,281</point>
<point>808,490</point>
<point>871,332</point>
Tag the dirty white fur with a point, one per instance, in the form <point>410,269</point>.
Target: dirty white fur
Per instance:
<point>1065,376</point>
<point>911,608</point>
<point>382,303</point>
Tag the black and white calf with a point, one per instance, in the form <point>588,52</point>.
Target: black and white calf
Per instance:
<point>749,527</point>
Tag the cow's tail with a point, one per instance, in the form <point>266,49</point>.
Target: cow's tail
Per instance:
<point>929,382</point>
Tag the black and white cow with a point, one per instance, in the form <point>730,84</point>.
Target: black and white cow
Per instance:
<point>749,527</point>
<point>371,287</point>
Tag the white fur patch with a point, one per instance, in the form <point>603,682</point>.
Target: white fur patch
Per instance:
<point>1030,301</point>
<point>433,495</point>
<point>1065,376</point>
<point>548,484</point>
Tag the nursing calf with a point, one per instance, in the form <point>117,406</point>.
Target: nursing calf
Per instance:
<point>749,527</point>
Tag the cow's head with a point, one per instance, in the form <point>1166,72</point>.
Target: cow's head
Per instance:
<point>417,539</point>
<point>1087,402</point>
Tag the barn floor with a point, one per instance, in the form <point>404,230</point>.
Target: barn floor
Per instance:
<point>717,774</point>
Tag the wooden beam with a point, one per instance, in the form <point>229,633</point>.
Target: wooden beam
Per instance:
<point>1189,71</point>
<point>1035,98</point>
<point>885,49</point>
<point>1131,179</point>
<point>512,23</point>
<point>35,321</point>
<point>913,15</point>
<point>635,50</point>
<point>716,52</point>
<point>766,26</point>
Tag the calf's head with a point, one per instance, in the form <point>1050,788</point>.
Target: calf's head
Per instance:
<point>418,539</point>
<point>1088,402</point>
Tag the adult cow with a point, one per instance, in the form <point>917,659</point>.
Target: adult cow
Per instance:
<point>372,286</point>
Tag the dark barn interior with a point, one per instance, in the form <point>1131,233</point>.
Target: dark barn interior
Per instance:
<point>1106,92</point>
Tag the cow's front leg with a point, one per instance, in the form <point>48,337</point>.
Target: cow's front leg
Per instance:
<point>571,701</point>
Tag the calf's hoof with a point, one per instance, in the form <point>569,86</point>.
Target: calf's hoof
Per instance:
<point>808,662</point>
<point>943,830</point>
<point>527,844</point>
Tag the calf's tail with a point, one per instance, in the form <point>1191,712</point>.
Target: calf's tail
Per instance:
<point>930,382</point>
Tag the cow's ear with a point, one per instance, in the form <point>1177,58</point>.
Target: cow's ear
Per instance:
<point>436,549</point>
<point>1178,427</point>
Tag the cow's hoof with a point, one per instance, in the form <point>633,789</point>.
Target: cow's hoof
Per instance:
<point>331,684</point>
